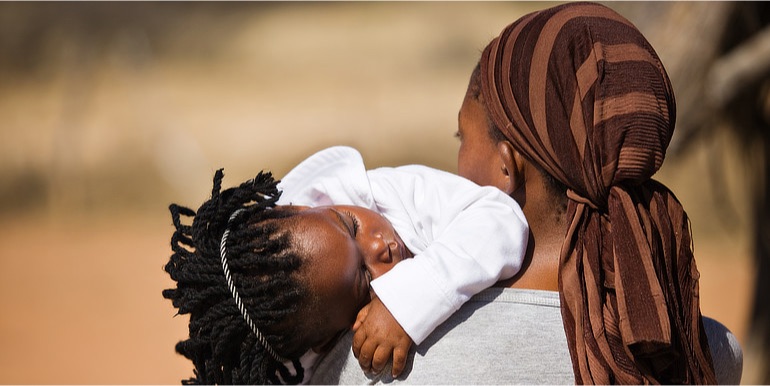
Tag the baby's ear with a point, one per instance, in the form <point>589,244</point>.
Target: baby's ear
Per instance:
<point>512,167</point>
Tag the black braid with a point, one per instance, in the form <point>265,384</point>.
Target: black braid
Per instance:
<point>263,264</point>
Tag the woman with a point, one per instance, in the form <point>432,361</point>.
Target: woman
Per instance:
<point>570,112</point>
<point>589,102</point>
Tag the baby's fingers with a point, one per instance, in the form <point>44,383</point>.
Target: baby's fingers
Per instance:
<point>365,355</point>
<point>359,337</point>
<point>380,358</point>
<point>399,361</point>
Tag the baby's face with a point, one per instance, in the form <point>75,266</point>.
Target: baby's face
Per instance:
<point>345,248</point>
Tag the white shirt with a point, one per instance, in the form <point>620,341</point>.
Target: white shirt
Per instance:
<point>464,237</point>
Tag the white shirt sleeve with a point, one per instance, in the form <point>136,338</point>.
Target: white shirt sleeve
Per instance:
<point>333,176</point>
<point>465,238</point>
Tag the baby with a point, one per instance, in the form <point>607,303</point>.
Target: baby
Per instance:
<point>271,278</point>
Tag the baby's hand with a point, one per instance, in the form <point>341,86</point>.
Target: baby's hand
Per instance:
<point>378,336</point>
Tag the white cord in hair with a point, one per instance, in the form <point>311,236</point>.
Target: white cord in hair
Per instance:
<point>238,302</point>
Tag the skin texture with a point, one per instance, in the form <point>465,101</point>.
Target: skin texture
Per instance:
<point>345,247</point>
<point>491,162</point>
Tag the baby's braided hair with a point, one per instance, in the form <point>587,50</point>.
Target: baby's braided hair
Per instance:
<point>262,264</point>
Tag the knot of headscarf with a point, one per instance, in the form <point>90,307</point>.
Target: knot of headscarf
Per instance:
<point>580,92</point>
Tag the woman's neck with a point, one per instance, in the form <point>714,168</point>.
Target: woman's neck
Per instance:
<point>547,227</point>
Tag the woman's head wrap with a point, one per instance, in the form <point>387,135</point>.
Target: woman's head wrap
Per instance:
<point>579,91</point>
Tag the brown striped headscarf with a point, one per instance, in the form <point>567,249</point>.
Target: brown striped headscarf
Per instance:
<point>579,91</point>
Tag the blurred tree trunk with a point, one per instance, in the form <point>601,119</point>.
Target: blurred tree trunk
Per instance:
<point>759,340</point>
<point>747,110</point>
<point>718,57</point>
<point>738,87</point>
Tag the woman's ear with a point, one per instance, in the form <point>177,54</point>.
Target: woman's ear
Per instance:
<point>512,167</point>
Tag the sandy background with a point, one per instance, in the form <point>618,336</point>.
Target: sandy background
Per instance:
<point>110,112</point>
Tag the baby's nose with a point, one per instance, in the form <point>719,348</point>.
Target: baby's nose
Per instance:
<point>381,248</point>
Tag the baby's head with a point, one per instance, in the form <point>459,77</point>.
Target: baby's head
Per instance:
<point>265,283</point>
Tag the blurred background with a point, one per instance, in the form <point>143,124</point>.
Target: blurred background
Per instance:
<point>109,112</point>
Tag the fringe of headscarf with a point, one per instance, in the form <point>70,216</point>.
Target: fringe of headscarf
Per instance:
<point>580,91</point>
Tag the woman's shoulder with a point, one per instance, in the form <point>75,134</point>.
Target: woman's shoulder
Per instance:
<point>502,335</point>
